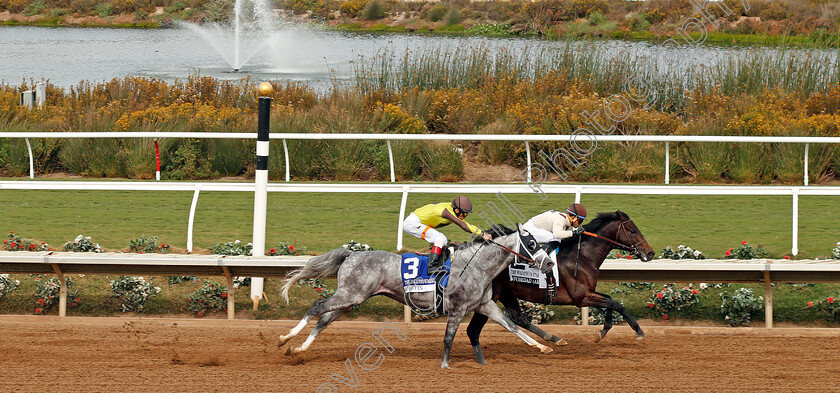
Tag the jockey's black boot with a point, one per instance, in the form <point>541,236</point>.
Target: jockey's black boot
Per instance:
<point>435,263</point>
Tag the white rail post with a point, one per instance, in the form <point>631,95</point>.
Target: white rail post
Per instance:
<point>391,161</point>
<point>40,94</point>
<point>62,291</point>
<point>768,300</point>
<point>230,292</point>
<point>261,185</point>
<point>667,163</point>
<point>795,237</point>
<point>286,154</point>
<point>191,221</point>
<point>402,217</point>
<point>31,159</point>
<point>806,164</point>
<point>405,189</point>
<point>528,157</point>
<point>584,311</point>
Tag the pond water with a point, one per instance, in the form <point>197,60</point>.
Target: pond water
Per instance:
<point>65,56</point>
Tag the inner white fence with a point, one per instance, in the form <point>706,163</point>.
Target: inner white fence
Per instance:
<point>666,139</point>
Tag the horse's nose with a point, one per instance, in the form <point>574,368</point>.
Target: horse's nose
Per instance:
<point>650,255</point>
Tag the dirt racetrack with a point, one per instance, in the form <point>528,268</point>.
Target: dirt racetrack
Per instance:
<point>40,353</point>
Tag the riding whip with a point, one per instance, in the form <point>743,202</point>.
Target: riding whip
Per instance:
<point>471,258</point>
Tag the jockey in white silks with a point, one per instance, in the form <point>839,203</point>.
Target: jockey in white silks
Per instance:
<point>555,225</point>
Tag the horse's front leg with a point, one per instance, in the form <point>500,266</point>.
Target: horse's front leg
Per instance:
<point>473,332</point>
<point>597,299</point>
<point>452,324</point>
<point>511,304</point>
<point>491,310</point>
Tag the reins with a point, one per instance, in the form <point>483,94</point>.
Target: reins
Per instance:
<point>631,248</point>
<point>595,235</point>
<point>512,252</point>
<point>503,247</point>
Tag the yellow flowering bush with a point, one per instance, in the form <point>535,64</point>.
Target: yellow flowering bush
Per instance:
<point>395,119</point>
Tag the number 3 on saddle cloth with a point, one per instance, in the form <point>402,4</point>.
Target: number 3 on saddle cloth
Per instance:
<point>416,278</point>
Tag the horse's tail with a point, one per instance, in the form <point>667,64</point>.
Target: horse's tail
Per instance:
<point>320,266</point>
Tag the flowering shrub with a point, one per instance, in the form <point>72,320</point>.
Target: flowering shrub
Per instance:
<point>738,308</point>
<point>352,245</point>
<point>598,315</point>
<point>831,305</point>
<point>835,253</point>
<point>208,297</point>
<point>233,248</point>
<point>323,291</point>
<point>620,254</point>
<point>627,287</point>
<point>148,245</point>
<point>745,251</point>
<point>7,285</point>
<point>682,252</point>
<point>668,300</point>
<point>716,285</point>
<point>82,243</point>
<point>638,285</point>
<point>284,248</point>
<point>536,313</point>
<point>241,282</point>
<point>133,291</point>
<point>47,291</point>
<point>15,243</point>
<point>179,279</point>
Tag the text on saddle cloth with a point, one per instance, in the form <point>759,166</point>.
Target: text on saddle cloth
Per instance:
<point>523,273</point>
<point>414,273</point>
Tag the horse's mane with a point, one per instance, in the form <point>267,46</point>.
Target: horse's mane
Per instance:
<point>603,219</point>
<point>594,226</point>
<point>495,230</point>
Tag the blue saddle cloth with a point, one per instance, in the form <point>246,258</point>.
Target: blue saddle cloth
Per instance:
<point>415,276</point>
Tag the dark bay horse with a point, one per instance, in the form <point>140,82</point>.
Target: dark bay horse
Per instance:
<point>364,274</point>
<point>578,271</point>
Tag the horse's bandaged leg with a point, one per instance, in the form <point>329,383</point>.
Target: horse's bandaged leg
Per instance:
<point>295,331</point>
<point>493,312</point>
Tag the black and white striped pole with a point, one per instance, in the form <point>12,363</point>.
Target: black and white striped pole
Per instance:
<point>261,185</point>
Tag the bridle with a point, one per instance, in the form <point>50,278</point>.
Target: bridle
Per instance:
<point>632,248</point>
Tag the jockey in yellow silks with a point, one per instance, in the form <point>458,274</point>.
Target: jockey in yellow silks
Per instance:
<point>422,223</point>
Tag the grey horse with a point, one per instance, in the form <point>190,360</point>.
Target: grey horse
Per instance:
<point>364,274</point>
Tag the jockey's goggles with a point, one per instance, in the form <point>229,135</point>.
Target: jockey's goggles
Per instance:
<point>582,218</point>
<point>465,211</point>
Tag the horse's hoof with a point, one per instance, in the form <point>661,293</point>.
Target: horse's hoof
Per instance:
<point>283,341</point>
<point>640,336</point>
<point>546,349</point>
<point>561,342</point>
<point>444,366</point>
<point>601,335</point>
<point>481,362</point>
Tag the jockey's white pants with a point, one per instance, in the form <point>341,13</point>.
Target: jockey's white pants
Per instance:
<point>541,235</point>
<point>414,227</point>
